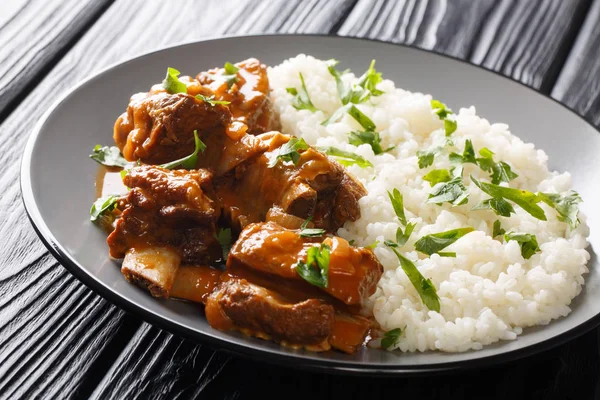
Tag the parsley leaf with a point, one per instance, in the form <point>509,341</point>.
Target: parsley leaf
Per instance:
<point>526,200</point>
<point>424,287</point>
<point>527,242</point>
<point>437,175</point>
<point>468,155</point>
<point>109,156</point>
<point>172,84</point>
<point>497,229</point>
<point>370,79</point>
<point>310,232</point>
<point>426,156</point>
<point>565,205</point>
<point>453,191</point>
<point>288,152</point>
<point>230,75</point>
<point>391,338</point>
<point>501,171</point>
<point>345,158</point>
<point>347,93</point>
<point>302,99</point>
<point>435,242</point>
<point>372,245</point>
<point>190,161</point>
<point>361,118</point>
<point>224,239</point>
<point>368,137</point>
<point>316,268</point>
<point>102,206</point>
<point>398,204</point>
<point>443,112</point>
<point>500,206</point>
<point>211,100</point>
<point>402,237</point>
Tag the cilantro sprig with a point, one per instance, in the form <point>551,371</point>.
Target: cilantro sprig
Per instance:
<point>345,158</point>
<point>527,242</point>
<point>190,161</point>
<point>301,98</point>
<point>288,152</point>
<point>501,195</point>
<point>566,205</point>
<point>452,191</point>
<point>307,232</point>
<point>102,206</point>
<point>109,156</point>
<point>443,113</point>
<point>316,268</point>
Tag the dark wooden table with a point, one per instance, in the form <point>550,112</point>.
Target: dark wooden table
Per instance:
<point>58,339</point>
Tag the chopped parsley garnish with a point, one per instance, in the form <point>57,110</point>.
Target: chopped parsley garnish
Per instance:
<point>436,176</point>
<point>211,100</point>
<point>224,239</point>
<point>102,206</point>
<point>391,338</point>
<point>230,75</point>
<point>501,171</point>
<point>372,245</point>
<point>316,268</point>
<point>398,203</point>
<point>443,112</point>
<point>361,118</point>
<point>526,200</point>
<point>368,137</point>
<point>288,152</point>
<point>453,191</point>
<point>527,242</point>
<point>468,155</point>
<point>360,92</point>
<point>370,79</point>
<point>310,232</point>
<point>426,156</point>
<point>172,84</point>
<point>190,161</point>
<point>401,236</point>
<point>109,156</point>
<point>497,229</point>
<point>301,98</point>
<point>424,287</point>
<point>435,242</point>
<point>565,204</point>
<point>345,158</point>
<point>500,206</point>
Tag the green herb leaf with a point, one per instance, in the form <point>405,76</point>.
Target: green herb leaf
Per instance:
<point>468,155</point>
<point>345,158</point>
<point>344,91</point>
<point>447,254</point>
<point>402,237</point>
<point>368,137</point>
<point>211,100</point>
<point>500,206</point>
<point>398,204</point>
<point>443,112</point>
<point>424,287</point>
<point>172,84</point>
<point>500,171</point>
<point>426,157</point>
<point>102,206</point>
<point>224,239</point>
<point>453,192</point>
<point>450,126</point>
<point>565,204</point>
<point>288,152</point>
<point>337,115</point>
<point>190,161</point>
<point>391,338</point>
<point>302,99</point>
<point>527,242</point>
<point>370,79</point>
<point>351,243</point>
<point>526,200</point>
<point>230,75</point>
<point>109,156</point>
<point>310,232</point>
<point>436,176</point>
<point>435,242</point>
<point>372,245</point>
<point>316,268</point>
<point>497,229</point>
<point>361,118</point>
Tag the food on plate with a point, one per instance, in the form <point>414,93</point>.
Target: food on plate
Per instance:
<point>322,210</point>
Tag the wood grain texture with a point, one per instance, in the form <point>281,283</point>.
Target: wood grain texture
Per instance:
<point>56,336</point>
<point>33,33</point>
<point>526,40</point>
<point>579,83</point>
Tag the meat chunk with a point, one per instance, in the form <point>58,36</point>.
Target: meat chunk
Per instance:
<point>248,95</point>
<point>238,304</point>
<point>267,247</point>
<point>158,127</point>
<point>152,268</point>
<point>168,208</point>
<point>315,186</point>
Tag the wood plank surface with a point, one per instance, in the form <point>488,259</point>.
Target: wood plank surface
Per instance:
<point>58,339</point>
<point>33,35</point>
<point>579,83</point>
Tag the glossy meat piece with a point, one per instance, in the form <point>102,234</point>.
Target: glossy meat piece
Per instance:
<point>248,96</point>
<point>152,268</point>
<point>158,127</point>
<point>168,208</point>
<point>272,249</point>
<point>315,186</point>
<point>349,332</point>
<point>238,304</point>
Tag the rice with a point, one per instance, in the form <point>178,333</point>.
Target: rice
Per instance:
<point>488,292</point>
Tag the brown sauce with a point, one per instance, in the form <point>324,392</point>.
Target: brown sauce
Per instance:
<point>108,181</point>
